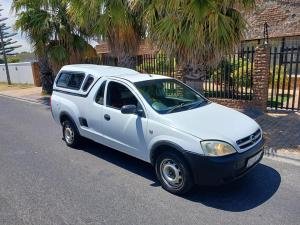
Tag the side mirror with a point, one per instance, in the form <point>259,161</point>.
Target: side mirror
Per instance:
<point>128,109</point>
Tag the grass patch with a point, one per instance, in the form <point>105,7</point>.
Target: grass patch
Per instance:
<point>5,87</point>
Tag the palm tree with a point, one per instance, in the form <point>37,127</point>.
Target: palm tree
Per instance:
<point>55,38</point>
<point>113,20</point>
<point>197,32</point>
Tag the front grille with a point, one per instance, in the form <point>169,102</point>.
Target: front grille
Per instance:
<point>250,140</point>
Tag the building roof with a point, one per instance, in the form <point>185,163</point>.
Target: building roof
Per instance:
<point>112,71</point>
<point>102,48</point>
<point>144,48</point>
<point>282,17</point>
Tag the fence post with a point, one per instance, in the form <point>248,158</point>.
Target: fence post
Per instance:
<point>261,73</point>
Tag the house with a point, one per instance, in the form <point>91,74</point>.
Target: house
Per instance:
<point>282,18</point>
<point>144,48</point>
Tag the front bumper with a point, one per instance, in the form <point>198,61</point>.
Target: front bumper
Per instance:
<point>219,170</point>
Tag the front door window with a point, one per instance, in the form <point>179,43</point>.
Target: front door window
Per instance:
<point>119,95</point>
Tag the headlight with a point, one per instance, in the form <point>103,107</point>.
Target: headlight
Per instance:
<point>217,148</point>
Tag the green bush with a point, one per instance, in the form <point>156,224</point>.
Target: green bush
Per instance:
<point>13,59</point>
<point>233,72</point>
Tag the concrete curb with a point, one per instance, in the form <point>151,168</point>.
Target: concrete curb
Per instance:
<point>284,157</point>
<point>33,101</point>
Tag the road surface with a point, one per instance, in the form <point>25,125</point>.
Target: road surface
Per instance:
<point>44,182</point>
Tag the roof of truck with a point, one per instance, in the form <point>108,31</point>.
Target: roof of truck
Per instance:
<point>111,71</point>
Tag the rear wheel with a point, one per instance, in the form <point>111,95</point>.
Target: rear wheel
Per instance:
<point>173,173</point>
<point>70,134</point>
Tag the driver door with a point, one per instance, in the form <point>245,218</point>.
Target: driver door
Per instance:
<point>125,132</point>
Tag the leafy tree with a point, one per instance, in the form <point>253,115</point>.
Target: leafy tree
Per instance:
<point>26,56</point>
<point>114,21</point>
<point>13,59</point>
<point>197,32</point>
<point>7,45</point>
<point>56,40</point>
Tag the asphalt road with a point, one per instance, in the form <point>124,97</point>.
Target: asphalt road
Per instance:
<point>44,182</point>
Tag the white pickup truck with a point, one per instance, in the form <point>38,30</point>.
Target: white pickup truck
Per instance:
<point>187,138</point>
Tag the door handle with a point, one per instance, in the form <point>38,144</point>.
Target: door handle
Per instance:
<point>107,117</point>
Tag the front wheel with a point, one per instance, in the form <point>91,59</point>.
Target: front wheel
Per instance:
<point>173,173</point>
<point>70,134</point>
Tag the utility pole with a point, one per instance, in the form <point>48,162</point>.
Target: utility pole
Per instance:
<point>6,44</point>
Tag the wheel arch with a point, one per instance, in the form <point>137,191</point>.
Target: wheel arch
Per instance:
<point>65,116</point>
<point>163,146</point>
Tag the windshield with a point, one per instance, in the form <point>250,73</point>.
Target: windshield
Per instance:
<point>169,95</point>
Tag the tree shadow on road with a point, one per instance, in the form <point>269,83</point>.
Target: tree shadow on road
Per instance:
<point>254,189</point>
<point>45,100</point>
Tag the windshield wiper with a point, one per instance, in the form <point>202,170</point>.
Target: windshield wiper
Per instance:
<point>198,104</point>
<point>179,106</point>
<point>192,105</point>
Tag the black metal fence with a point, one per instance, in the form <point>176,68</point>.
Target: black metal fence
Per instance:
<point>157,64</point>
<point>104,60</point>
<point>284,84</point>
<point>232,78</point>
<point>152,64</point>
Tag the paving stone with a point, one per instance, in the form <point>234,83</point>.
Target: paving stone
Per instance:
<point>281,130</point>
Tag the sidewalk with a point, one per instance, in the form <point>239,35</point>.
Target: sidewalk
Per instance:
<point>282,133</point>
<point>32,94</point>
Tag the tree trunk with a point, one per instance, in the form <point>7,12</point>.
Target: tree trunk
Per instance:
<point>127,61</point>
<point>194,75</point>
<point>46,74</point>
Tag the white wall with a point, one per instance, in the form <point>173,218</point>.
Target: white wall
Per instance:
<point>20,73</point>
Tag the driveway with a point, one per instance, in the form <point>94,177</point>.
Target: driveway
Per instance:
<point>44,182</point>
<point>282,132</point>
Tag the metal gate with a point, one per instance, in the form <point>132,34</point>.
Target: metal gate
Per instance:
<point>284,84</point>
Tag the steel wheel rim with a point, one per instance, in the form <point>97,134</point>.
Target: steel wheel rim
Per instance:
<point>69,134</point>
<point>171,173</point>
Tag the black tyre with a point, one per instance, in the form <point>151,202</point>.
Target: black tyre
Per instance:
<point>173,173</point>
<point>70,134</point>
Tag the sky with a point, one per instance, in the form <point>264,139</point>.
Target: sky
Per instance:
<point>21,39</point>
